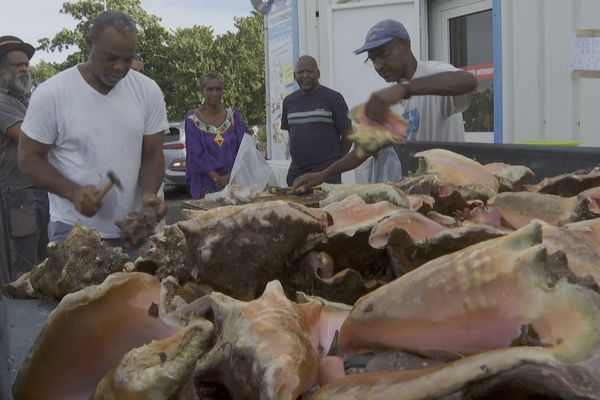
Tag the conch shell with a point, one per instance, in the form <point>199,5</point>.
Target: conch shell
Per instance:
<point>466,302</point>
<point>264,348</point>
<point>371,136</point>
<point>523,322</point>
<point>90,331</point>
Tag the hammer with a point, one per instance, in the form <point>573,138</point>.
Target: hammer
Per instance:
<point>113,180</point>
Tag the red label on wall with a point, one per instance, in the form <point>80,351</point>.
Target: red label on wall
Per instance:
<point>481,71</point>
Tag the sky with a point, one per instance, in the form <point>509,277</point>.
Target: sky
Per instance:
<point>33,19</point>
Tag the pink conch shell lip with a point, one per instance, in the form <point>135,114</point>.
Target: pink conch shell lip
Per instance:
<point>88,333</point>
<point>393,123</point>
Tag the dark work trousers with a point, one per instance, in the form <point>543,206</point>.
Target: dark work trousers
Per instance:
<point>4,247</point>
<point>26,214</point>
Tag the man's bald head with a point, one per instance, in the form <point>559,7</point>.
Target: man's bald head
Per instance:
<point>306,59</point>
<point>307,74</point>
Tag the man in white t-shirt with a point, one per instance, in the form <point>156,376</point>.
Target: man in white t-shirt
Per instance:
<point>92,118</point>
<point>430,96</point>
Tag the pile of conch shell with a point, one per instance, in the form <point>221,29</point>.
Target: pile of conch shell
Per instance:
<point>382,293</point>
<point>502,317</point>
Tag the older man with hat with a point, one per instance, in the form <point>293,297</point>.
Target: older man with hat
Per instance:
<point>24,207</point>
<point>430,96</point>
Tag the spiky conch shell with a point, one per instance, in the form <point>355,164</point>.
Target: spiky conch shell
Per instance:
<point>370,136</point>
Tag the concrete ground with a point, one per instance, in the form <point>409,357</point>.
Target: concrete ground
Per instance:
<point>20,323</point>
<point>173,199</point>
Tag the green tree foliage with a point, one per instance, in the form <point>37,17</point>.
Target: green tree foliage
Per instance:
<point>42,71</point>
<point>239,57</point>
<point>150,33</point>
<point>176,59</point>
<point>186,58</point>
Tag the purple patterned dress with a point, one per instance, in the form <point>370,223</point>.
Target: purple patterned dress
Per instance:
<point>211,148</point>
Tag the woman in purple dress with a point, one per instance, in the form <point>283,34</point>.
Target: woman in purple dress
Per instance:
<point>213,135</point>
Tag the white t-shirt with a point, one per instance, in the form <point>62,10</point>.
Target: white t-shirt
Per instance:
<point>434,118</point>
<point>92,133</point>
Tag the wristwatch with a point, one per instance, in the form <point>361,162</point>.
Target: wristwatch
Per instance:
<point>404,83</point>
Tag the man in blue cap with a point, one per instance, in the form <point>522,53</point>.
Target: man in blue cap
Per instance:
<point>23,207</point>
<point>430,95</point>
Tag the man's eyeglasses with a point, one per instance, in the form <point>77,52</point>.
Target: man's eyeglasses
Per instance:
<point>385,52</point>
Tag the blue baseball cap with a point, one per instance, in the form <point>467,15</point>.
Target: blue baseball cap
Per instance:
<point>381,33</point>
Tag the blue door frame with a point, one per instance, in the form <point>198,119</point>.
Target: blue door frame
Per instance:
<point>497,45</point>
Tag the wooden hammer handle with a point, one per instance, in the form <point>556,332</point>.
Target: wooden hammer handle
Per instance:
<point>105,190</point>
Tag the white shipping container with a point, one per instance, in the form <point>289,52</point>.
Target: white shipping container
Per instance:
<point>536,96</point>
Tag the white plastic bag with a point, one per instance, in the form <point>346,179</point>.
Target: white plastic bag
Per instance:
<point>249,175</point>
<point>250,169</point>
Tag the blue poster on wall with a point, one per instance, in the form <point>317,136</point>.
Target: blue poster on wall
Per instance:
<point>282,52</point>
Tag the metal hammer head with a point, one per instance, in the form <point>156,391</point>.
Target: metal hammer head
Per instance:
<point>114,179</point>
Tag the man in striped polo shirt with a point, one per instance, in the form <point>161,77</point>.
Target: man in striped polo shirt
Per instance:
<point>316,119</point>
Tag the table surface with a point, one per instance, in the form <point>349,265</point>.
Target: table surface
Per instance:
<point>309,200</point>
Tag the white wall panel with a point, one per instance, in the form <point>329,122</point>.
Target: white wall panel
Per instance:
<point>557,35</point>
<point>588,16</point>
<point>308,28</point>
<point>524,73</point>
<point>542,100</point>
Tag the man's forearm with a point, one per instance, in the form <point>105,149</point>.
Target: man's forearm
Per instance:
<point>45,176</point>
<point>345,145</point>
<point>32,158</point>
<point>453,83</point>
<point>346,163</point>
<point>152,168</point>
<point>345,142</point>
<point>152,174</point>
